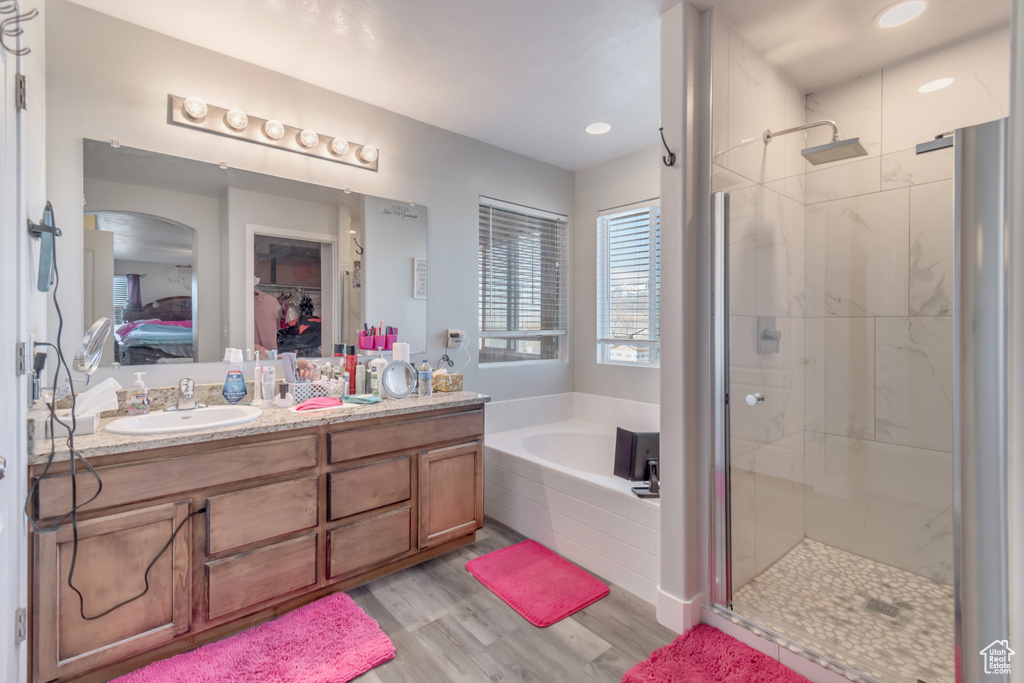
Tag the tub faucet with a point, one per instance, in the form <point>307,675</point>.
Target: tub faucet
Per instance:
<point>187,396</point>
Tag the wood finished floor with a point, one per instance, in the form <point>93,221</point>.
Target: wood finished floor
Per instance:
<point>447,627</point>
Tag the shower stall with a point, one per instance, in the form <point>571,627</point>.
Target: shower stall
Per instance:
<point>839,509</point>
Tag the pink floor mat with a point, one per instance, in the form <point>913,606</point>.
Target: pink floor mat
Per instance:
<point>331,640</point>
<point>706,655</point>
<point>536,582</point>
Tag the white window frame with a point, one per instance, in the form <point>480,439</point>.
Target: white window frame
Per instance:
<point>123,301</point>
<point>555,296</point>
<point>606,340</point>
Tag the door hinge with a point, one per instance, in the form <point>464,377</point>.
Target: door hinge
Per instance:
<point>20,625</point>
<point>20,92</point>
<point>21,363</point>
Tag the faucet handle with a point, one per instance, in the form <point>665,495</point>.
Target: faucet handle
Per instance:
<point>187,387</point>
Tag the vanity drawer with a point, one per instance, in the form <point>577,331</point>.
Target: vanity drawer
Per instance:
<point>364,487</point>
<point>369,541</point>
<point>405,435</point>
<point>259,514</point>
<point>244,580</point>
<point>124,484</point>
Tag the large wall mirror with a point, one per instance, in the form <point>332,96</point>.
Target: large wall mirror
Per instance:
<point>189,258</point>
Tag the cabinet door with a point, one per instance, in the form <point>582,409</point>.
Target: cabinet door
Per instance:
<point>451,493</point>
<point>113,553</point>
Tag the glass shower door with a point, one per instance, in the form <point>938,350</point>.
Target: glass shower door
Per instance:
<point>837,434</point>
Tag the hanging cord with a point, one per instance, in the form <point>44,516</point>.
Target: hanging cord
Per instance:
<point>74,456</point>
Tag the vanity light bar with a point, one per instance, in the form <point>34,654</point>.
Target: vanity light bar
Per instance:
<point>234,123</point>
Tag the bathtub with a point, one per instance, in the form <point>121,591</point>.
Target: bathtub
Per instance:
<point>548,475</point>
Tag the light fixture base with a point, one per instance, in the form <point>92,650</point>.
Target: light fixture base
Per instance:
<point>215,122</point>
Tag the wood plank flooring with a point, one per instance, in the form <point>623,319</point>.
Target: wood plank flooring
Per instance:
<point>447,627</point>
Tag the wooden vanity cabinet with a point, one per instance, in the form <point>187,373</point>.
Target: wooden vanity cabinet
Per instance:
<point>113,552</point>
<point>277,521</point>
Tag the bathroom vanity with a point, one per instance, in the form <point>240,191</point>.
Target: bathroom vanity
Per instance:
<point>272,515</point>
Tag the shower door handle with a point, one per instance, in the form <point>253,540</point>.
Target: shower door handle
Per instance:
<point>755,399</point>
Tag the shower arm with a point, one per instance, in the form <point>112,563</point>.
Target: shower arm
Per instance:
<point>768,134</point>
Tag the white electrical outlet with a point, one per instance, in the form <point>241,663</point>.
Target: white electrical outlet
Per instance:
<point>454,338</point>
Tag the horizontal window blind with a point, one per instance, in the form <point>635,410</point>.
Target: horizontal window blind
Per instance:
<point>523,284</point>
<point>120,297</point>
<point>629,284</point>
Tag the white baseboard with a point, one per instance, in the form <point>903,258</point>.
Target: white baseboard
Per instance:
<point>678,614</point>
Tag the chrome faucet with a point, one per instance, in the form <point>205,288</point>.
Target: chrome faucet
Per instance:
<point>187,397</point>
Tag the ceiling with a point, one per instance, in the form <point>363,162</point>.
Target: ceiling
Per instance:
<point>826,42</point>
<point>151,239</point>
<point>529,75</point>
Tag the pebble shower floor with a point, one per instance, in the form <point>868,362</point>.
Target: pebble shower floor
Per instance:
<point>818,595</point>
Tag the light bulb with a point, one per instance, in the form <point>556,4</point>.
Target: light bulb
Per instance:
<point>236,119</point>
<point>368,154</point>
<point>901,13</point>
<point>195,108</point>
<point>308,138</point>
<point>273,129</point>
<point>937,84</point>
<point>339,146</point>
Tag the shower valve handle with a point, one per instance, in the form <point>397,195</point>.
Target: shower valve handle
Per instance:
<point>754,399</point>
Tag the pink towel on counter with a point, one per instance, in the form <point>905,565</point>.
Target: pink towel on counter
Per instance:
<point>319,403</point>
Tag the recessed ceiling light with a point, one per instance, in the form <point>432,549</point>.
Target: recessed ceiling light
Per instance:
<point>599,128</point>
<point>901,13</point>
<point>937,84</point>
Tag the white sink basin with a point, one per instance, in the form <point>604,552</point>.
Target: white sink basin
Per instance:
<point>171,421</point>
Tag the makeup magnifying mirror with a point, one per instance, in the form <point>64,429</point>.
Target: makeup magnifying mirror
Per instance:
<point>87,358</point>
<point>398,379</point>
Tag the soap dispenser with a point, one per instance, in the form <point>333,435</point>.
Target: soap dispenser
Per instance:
<point>234,384</point>
<point>138,400</point>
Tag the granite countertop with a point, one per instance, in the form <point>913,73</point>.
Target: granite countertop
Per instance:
<point>272,420</point>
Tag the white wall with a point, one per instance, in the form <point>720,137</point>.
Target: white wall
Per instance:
<point>117,87</point>
<point>197,212</point>
<point>391,242</point>
<point>626,180</point>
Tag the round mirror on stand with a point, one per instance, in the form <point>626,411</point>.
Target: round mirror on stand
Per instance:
<point>87,358</point>
<point>398,379</point>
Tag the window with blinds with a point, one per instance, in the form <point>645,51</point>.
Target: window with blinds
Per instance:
<point>629,285</point>
<point>120,297</point>
<point>523,283</point>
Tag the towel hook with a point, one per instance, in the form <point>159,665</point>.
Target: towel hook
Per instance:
<point>9,27</point>
<point>670,160</point>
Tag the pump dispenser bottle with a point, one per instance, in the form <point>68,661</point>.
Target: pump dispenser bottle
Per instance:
<point>138,400</point>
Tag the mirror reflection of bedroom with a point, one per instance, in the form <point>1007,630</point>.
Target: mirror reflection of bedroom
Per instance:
<point>148,263</point>
<point>288,306</point>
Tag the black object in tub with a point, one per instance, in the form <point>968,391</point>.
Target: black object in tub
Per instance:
<point>633,450</point>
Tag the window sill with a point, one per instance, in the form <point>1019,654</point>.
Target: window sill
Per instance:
<point>622,364</point>
<point>520,363</point>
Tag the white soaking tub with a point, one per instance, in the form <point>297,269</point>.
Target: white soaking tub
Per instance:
<point>548,475</point>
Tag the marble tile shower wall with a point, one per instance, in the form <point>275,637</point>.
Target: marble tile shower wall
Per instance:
<point>878,327</point>
<point>852,446</point>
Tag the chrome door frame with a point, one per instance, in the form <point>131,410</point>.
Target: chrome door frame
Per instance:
<point>980,537</point>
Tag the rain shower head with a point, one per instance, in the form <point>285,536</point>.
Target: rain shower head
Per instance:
<point>837,150</point>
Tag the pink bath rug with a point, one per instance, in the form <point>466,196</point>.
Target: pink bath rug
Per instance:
<point>537,583</point>
<point>706,655</point>
<point>331,640</point>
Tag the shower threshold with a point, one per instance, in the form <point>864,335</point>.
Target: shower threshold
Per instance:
<point>888,623</point>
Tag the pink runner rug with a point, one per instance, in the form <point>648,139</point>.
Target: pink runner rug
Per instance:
<point>706,655</point>
<point>331,640</point>
<point>536,582</point>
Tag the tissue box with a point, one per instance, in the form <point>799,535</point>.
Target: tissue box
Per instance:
<point>448,383</point>
<point>84,424</point>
